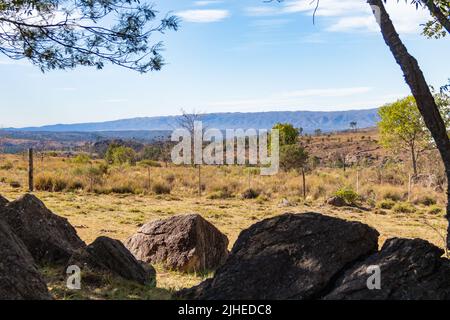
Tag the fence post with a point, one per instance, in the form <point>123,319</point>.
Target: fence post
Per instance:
<point>30,170</point>
<point>199,181</point>
<point>304,183</point>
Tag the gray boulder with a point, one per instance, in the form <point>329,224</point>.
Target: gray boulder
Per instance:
<point>292,256</point>
<point>410,269</point>
<point>48,237</point>
<point>19,277</point>
<point>110,255</point>
<point>186,243</point>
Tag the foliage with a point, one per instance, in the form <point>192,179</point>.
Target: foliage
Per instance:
<point>293,157</point>
<point>60,34</point>
<point>251,193</point>
<point>288,134</point>
<point>348,195</point>
<point>120,155</point>
<point>82,158</point>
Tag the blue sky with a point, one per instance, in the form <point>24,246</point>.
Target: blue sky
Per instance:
<point>237,55</point>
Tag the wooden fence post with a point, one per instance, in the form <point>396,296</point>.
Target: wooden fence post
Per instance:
<point>199,181</point>
<point>304,183</point>
<point>30,170</point>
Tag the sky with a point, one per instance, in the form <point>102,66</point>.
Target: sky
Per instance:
<point>237,56</point>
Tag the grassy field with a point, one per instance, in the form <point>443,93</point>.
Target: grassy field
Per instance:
<point>95,209</point>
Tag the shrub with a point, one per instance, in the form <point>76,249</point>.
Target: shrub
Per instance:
<point>161,188</point>
<point>392,195</point>
<point>15,184</point>
<point>170,178</point>
<point>149,163</point>
<point>7,166</point>
<point>82,158</point>
<point>386,204</point>
<point>76,185</point>
<point>425,200</point>
<point>221,194</point>
<point>434,209</point>
<point>59,184</point>
<point>44,183</point>
<point>122,189</point>
<point>404,207</point>
<point>348,195</point>
<point>251,193</point>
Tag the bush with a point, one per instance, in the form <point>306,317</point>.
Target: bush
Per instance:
<point>82,158</point>
<point>392,195</point>
<point>7,166</point>
<point>386,204</point>
<point>434,209</point>
<point>15,184</point>
<point>348,195</point>
<point>161,188</point>
<point>425,200</point>
<point>123,189</point>
<point>404,207</point>
<point>75,185</point>
<point>44,183</point>
<point>149,163</point>
<point>59,184</point>
<point>250,193</point>
<point>221,194</point>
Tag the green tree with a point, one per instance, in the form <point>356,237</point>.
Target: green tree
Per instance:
<point>119,155</point>
<point>61,34</point>
<point>288,134</point>
<point>402,127</point>
<point>295,157</point>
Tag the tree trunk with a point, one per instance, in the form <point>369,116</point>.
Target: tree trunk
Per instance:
<point>438,14</point>
<point>421,92</point>
<point>414,160</point>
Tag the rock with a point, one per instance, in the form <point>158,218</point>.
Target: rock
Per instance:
<point>284,203</point>
<point>19,278</point>
<point>292,256</point>
<point>110,255</point>
<point>3,201</point>
<point>48,237</point>
<point>411,269</point>
<point>336,201</point>
<point>186,243</point>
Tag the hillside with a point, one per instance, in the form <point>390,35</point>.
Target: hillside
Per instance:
<point>308,120</point>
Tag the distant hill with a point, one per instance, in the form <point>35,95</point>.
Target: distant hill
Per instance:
<point>308,120</point>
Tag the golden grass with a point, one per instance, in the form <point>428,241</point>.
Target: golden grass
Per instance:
<point>120,215</point>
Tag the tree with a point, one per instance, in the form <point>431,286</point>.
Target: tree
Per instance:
<point>402,127</point>
<point>440,11</point>
<point>288,134</point>
<point>420,90</point>
<point>119,155</point>
<point>318,132</point>
<point>354,125</point>
<point>61,34</point>
<point>294,157</point>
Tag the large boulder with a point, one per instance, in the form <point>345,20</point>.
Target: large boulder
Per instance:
<point>185,243</point>
<point>19,278</point>
<point>292,256</point>
<point>110,255</point>
<point>3,201</point>
<point>48,237</point>
<point>410,269</point>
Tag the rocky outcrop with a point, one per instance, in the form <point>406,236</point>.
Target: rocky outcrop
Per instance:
<point>409,269</point>
<point>110,255</point>
<point>48,237</point>
<point>185,243</point>
<point>19,278</point>
<point>292,256</point>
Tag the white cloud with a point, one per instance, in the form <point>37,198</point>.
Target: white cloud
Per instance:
<point>203,16</point>
<point>206,3</point>
<point>350,15</point>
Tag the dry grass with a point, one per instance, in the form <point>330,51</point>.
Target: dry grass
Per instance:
<point>119,215</point>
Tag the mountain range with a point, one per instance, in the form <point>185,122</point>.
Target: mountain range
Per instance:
<point>308,120</point>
